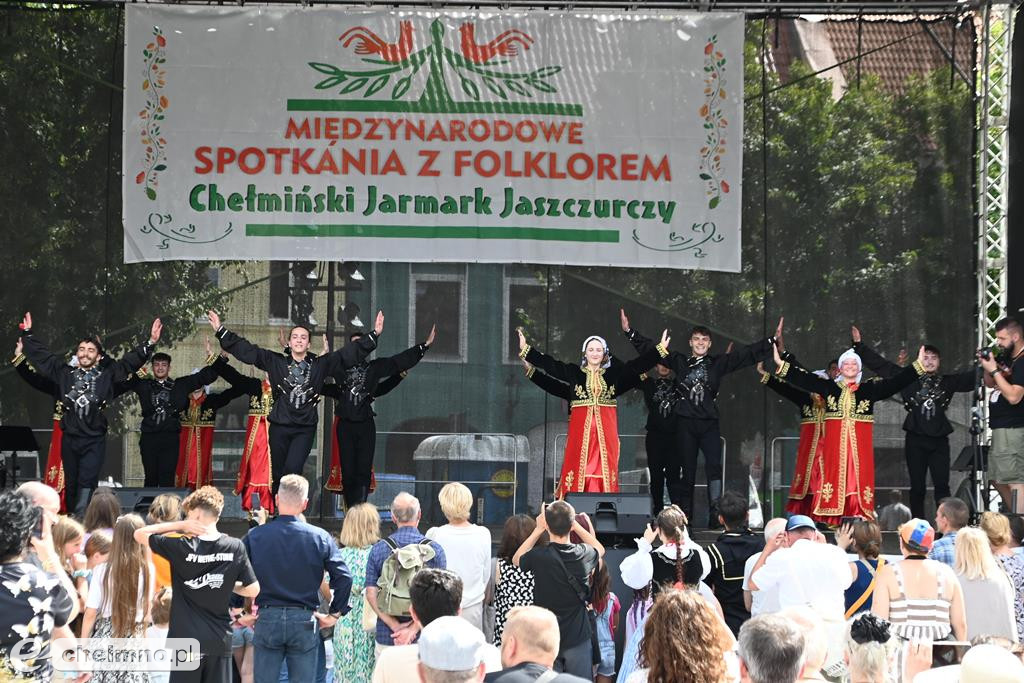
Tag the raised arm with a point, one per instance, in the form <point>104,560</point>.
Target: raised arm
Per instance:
<point>800,378</point>
<point>387,385</point>
<point>249,385</point>
<point>549,384</point>
<point>566,372</point>
<point>962,381</point>
<point>46,363</point>
<point>783,389</point>
<point>133,360</point>
<point>208,374</point>
<point>874,361</point>
<point>401,362</point>
<point>29,374</point>
<point>239,347</point>
<point>649,358</point>
<point>884,388</point>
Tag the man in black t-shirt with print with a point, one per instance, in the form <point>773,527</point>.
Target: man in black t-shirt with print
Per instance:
<point>206,568</point>
<point>562,580</point>
<point>1005,374</point>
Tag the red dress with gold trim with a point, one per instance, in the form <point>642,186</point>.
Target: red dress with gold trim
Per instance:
<point>54,474</point>
<point>846,470</point>
<point>591,462</point>
<point>811,444</point>
<point>254,471</point>
<point>195,449</point>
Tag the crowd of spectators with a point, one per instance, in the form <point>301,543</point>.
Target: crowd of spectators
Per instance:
<point>289,602</point>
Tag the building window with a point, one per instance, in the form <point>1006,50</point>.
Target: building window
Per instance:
<point>439,299</point>
<point>525,305</point>
<point>279,304</point>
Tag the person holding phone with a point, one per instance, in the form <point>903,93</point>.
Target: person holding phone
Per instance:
<point>34,602</point>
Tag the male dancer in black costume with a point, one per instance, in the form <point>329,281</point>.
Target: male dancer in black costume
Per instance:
<point>297,379</point>
<point>927,428</point>
<point>84,390</point>
<point>661,394</point>
<point>698,377</point>
<point>161,399</point>
<point>356,431</point>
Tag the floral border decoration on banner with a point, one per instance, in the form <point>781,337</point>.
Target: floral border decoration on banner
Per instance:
<point>714,123</point>
<point>153,83</point>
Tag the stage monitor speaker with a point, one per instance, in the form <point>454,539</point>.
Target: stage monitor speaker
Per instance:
<point>139,498</point>
<point>614,514</point>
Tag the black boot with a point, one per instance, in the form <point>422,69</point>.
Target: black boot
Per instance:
<point>83,502</point>
<point>714,493</point>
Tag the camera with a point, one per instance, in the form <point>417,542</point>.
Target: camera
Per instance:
<point>985,354</point>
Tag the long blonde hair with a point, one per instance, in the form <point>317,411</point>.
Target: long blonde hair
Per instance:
<point>361,527</point>
<point>974,558</point>
<point>126,563</point>
<point>65,531</point>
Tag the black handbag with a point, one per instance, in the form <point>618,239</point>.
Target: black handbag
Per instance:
<point>581,593</point>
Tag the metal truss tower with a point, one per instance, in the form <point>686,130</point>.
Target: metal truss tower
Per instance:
<point>993,96</point>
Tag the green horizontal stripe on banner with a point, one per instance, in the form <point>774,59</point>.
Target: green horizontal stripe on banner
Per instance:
<point>426,107</point>
<point>461,232</point>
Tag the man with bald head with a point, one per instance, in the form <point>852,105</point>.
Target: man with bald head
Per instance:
<point>405,513</point>
<point>529,645</point>
<point>815,641</point>
<point>42,496</point>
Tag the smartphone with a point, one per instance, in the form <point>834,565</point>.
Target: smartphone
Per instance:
<point>843,521</point>
<point>38,531</point>
<point>254,501</point>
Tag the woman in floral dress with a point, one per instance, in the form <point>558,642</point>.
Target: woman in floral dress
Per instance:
<point>353,647</point>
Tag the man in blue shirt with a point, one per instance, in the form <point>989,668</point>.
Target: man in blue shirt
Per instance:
<point>405,513</point>
<point>289,558</point>
<point>951,516</point>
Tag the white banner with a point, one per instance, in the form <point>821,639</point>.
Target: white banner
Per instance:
<point>368,135</point>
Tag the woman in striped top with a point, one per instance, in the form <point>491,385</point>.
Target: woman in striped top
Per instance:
<point>921,598</point>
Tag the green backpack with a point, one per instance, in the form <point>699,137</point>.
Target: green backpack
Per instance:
<point>396,575</point>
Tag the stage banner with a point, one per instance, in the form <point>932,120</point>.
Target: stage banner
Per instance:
<point>297,133</point>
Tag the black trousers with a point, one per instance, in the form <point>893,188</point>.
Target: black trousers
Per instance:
<point>213,668</point>
<point>83,458</point>
<point>924,454</point>
<point>693,436</point>
<point>356,444</point>
<point>159,457</point>
<point>289,450</point>
<point>664,468</point>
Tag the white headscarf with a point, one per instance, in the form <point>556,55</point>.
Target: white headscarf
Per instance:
<point>604,345</point>
<point>850,354</point>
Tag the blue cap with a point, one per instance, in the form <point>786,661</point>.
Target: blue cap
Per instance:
<point>800,522</point>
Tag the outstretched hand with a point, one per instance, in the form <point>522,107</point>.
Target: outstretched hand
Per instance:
<point>522,339</point>
<point>18,346</point>
<point>780,343</point>
<point>282,340</point>
<point>854,334</point>
<point>325,346</point>
<point>920,355</point>
<point>214,320</point>
<point>431,336</point>
<point>901,357</point>
<point>760,368</point>
<point>154,332</point>
<point>665,339</point>
<point>26,322</point>
<point>209,348</point>
<point>624,320</point>
<point>778,357</point>
<point>378,325</point>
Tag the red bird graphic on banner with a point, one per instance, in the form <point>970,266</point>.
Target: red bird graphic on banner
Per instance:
<point>369,43</point>
<point>504,44</point>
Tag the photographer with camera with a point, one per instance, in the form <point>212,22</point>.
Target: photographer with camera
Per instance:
<point>1004,373</point>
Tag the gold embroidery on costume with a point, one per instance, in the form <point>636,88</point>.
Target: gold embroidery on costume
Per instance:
<point>867,495</point>
<point>826,491</point>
